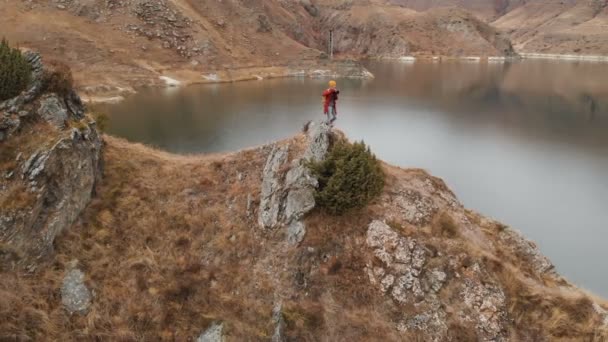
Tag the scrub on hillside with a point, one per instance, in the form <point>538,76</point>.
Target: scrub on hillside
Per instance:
<point>330,99</point>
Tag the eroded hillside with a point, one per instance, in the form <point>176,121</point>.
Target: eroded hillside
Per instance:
<point>558,27</point>
<point>114,47</point>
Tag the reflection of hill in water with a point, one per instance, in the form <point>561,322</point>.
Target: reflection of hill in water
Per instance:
<point>532,86</point>
<point>543,98</point>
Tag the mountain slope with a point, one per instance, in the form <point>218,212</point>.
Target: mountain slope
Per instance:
<point>114,47</point>
<point>234,246</point>
<point>485,9</point>
<point>391,31</point>
<point>566,27</point>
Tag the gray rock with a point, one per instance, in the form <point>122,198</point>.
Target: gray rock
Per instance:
<point>213,334</point>
<point>272,193</point>
<point>279,323</point>
<point>298,203</point>
<point>53,110</point>
<point>75,295</point>
<point>2,134</point>
<point>295,232</point>
<point>514,240</point>
<point>63,177</point>
<point>319,135</point>
<point>287,202</point>
<point>431,324</point>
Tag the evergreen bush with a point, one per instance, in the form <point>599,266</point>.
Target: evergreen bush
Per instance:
<point>14,71</point>
<point>349,177</point>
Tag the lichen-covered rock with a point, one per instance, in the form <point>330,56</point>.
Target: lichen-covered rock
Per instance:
<point>318,147</point>
<point>213,334</point>
<point>75,295</point>
<point>271,197</point>
<point>286,202</point>
<point>295,232</point>
<point>402,258</point>
<point>488,308</point>
<point>409,277</point>
<point>53,110</point>
<point>526,249</point>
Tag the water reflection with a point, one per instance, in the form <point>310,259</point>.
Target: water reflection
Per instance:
<point>524,142</point>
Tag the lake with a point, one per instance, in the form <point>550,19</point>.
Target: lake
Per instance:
<point>525,142</point>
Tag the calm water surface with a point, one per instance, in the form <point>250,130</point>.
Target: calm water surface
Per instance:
<point>525,143</point>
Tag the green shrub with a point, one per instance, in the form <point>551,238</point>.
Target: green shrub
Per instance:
<point>349,177</point>
<point>14,71</point>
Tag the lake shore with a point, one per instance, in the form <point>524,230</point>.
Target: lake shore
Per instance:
<point>180,78</point>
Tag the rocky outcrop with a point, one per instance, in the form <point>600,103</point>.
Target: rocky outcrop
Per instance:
<point>287,197</point>
<point>54,178</point>
<point>279,324</point>
<point>213,334</point>
<point>75,295</point>
<point>393,32</point>
<point>404,274</point>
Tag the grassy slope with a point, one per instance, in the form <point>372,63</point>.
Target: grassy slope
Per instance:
<point>168,246</point>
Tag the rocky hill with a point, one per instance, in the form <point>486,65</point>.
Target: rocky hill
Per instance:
<point>577,27</point>
<point>485,9</point>
<point>392,31</point>
<point>235,247</point>
<point>114,47</point>
<point>572,27</point>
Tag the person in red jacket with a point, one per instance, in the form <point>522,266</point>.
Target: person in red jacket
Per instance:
<point>330,98</point>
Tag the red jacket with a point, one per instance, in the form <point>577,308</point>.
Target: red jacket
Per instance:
<point>330,99</point>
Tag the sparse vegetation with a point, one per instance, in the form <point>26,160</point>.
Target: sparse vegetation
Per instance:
<point>57,78</point>
<point>446,226</point>
<point>350,177</point>
<point>14,71</point>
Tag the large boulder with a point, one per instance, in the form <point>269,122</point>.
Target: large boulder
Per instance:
<point>47,178</point>
<point>286,197</point>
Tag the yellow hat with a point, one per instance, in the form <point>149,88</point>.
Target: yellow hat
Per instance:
<point>332,83</point>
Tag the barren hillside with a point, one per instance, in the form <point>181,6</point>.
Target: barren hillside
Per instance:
<point>117,241</point>
<point>116,46</point>
<point>563,27</point>
<point>381,31</point>
<point>485,9</point>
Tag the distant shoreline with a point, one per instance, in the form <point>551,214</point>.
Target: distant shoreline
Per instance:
<point>590,58</point>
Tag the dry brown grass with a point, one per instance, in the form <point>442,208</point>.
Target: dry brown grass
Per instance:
<point>57,77</point>
<point>168,248</point>
<point>17,196</point>
<point>30,138</point>
<point>445,225</point>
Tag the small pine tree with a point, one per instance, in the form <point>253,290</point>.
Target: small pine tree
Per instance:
<point>349,177</point>
<point>14,71</point>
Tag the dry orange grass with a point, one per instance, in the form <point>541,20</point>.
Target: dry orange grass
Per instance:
<point>168,247</point>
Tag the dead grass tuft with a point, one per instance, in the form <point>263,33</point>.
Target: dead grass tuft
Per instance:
<point>57,77</point>
<point>445,225</point>
<point>16,197</point>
